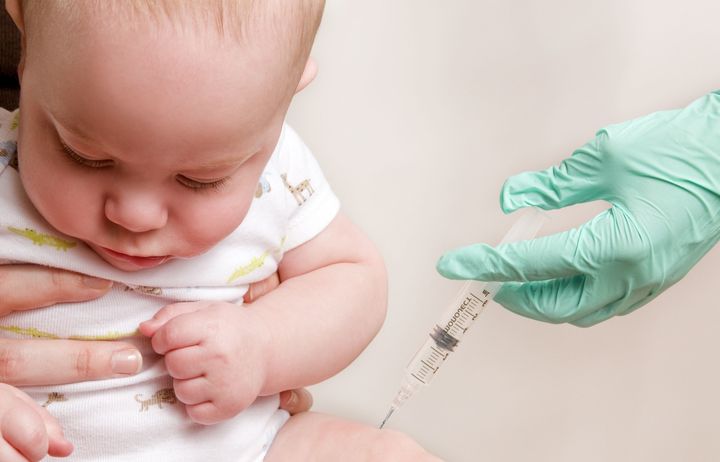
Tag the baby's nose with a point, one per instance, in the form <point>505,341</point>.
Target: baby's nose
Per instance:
<point>135,211</point>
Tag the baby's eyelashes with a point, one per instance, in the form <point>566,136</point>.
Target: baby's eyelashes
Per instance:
<point>77,158</point>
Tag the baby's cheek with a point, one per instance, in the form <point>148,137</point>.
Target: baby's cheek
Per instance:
<point>71,206</point>
<point>206,223</point>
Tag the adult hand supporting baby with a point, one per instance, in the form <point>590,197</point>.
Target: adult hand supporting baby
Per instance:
<point>48,362</point>
<point>54,362</point>
<point>24,287</point>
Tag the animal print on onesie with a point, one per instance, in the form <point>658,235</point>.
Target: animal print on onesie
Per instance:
<point>138,418</point>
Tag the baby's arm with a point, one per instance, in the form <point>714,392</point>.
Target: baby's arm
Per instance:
<point>329,305</point>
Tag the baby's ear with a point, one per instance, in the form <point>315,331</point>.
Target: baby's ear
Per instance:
<point>308,75</point>
<point>14,9</point>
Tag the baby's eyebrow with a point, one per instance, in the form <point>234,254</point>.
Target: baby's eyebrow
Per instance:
<point>224,164</point>
<point>227,162</point>
<point>73,129</point>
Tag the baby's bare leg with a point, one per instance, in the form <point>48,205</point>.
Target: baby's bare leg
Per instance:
<point>310,436</point>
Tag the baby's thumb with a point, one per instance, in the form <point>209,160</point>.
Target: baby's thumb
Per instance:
<point>58,445</point>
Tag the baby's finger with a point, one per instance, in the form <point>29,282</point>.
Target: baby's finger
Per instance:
<point>58,446</point>
<point>181,332</point>
<point>10,454</point>
<point>23,429</point>
<point>205,413</point>
<point>192,391</point>
<point>168,312</point>
<point>185,363</point>
<point>49,286</point>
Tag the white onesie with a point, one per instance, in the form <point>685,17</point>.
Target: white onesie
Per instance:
<point>138,418</point>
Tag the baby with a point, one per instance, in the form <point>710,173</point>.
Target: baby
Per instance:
<point>152,151</point>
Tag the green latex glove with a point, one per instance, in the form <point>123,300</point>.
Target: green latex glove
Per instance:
<point>661,175</point>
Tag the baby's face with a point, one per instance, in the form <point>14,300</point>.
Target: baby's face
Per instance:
<point>147,144</point>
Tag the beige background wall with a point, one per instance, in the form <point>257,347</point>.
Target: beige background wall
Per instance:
<point>421,110</point>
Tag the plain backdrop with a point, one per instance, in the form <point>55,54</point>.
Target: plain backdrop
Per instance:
<point>420,111</point>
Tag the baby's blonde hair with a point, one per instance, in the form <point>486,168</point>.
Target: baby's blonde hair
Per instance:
<point>292,23</point>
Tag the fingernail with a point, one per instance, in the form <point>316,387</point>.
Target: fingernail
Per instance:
<point>308,396</point>
<point>292,400</point>
<point>126,362</point>
<point>96,283</point>
<point>248,297</point>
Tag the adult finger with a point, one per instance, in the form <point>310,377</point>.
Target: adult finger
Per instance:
<point>25,287</point>
<point>570,253</point>
<point>631,298</point>
<point>296,401</point>
<point>56,362</point>
<point>575,180</point>
<point>559,300</point>
<point>260,288</point>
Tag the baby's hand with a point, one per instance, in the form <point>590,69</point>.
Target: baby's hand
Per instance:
<point>28,431</point>
<point>216,353</point>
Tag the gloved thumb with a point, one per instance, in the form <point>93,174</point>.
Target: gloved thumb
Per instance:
<point>574,181</point>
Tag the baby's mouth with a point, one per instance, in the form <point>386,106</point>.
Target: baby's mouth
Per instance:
<point>140,262</point>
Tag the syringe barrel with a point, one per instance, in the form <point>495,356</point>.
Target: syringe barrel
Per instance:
<point>465,308</point>
<point>447,333</point>
<point>459,316</point>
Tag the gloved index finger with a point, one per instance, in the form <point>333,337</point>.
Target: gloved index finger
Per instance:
<point>560,255</point>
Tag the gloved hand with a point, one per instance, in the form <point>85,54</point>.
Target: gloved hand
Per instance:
<point>661,175</point>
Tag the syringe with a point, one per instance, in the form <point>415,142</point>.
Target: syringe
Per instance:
<point>458,318</point>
